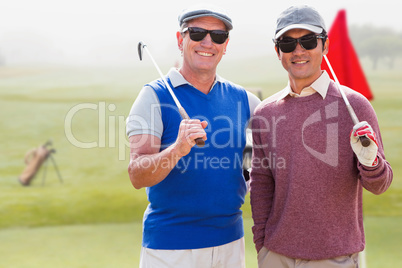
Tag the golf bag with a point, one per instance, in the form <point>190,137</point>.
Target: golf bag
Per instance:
<point>34,160</point>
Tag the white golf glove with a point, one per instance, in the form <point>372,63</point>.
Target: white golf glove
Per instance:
<point>367,155</point>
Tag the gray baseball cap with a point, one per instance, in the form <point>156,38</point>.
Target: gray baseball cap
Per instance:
<point>299,17</point>
<point>205,11</point>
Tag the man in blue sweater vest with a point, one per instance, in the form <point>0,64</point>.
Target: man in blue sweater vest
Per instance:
<point>195,193</point>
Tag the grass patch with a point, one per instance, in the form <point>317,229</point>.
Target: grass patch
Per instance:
<point>106,245</point>
<point>383,241</point>
<point>119,245</point>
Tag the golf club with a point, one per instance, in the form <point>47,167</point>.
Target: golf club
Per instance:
<point>141,46</point>
<point>363,139</point>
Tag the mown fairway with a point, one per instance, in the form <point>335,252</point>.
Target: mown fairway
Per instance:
<point>94,218</point>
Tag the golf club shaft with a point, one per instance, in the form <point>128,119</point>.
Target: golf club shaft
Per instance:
<point>199,141</point>
<point>363,139</point>
<point>176,101</point>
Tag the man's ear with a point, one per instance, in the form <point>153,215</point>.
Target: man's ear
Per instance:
<point>179,37</point>
<point>325,49</point>
<point>226,45</point>
<point>277,52</point>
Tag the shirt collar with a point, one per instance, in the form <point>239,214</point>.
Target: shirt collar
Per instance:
<point>320,85</point>
<point>177,79</point>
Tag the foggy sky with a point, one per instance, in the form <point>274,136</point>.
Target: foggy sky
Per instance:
<point>107,32</point>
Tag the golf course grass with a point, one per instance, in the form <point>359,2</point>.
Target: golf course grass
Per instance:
<point>93,217</point>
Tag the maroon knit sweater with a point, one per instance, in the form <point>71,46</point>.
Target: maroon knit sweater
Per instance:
<point>306,182</point>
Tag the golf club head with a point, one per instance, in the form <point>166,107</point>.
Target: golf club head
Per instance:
<point>140,49</point>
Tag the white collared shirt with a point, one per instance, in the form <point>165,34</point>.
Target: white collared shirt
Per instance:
<point>320,85</point>
<point>177,79</point>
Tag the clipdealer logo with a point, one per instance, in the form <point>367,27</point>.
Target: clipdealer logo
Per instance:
<point>107,124</point>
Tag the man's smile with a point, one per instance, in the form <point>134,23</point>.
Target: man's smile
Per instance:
<point>205,54</point>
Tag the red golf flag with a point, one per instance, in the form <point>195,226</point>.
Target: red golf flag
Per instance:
<point>343,58</point>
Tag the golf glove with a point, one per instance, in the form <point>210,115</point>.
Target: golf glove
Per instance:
<point>367,155</point>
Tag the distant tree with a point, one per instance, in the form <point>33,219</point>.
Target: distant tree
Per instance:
<point>377,43</point>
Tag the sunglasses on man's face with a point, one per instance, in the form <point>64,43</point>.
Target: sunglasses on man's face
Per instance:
<point>198,34</point>
<point>308,42</point>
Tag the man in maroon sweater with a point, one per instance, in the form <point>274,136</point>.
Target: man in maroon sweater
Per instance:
<point>309,167</point>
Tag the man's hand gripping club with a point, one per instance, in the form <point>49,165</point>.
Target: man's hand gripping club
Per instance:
<point>367,156</point>
<point>189,131</point>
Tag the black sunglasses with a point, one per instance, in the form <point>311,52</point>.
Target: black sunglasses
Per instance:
<point>288,44</point>
<point>197,34</point>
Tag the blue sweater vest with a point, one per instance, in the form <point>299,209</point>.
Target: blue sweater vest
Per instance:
<point>198,204</point>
